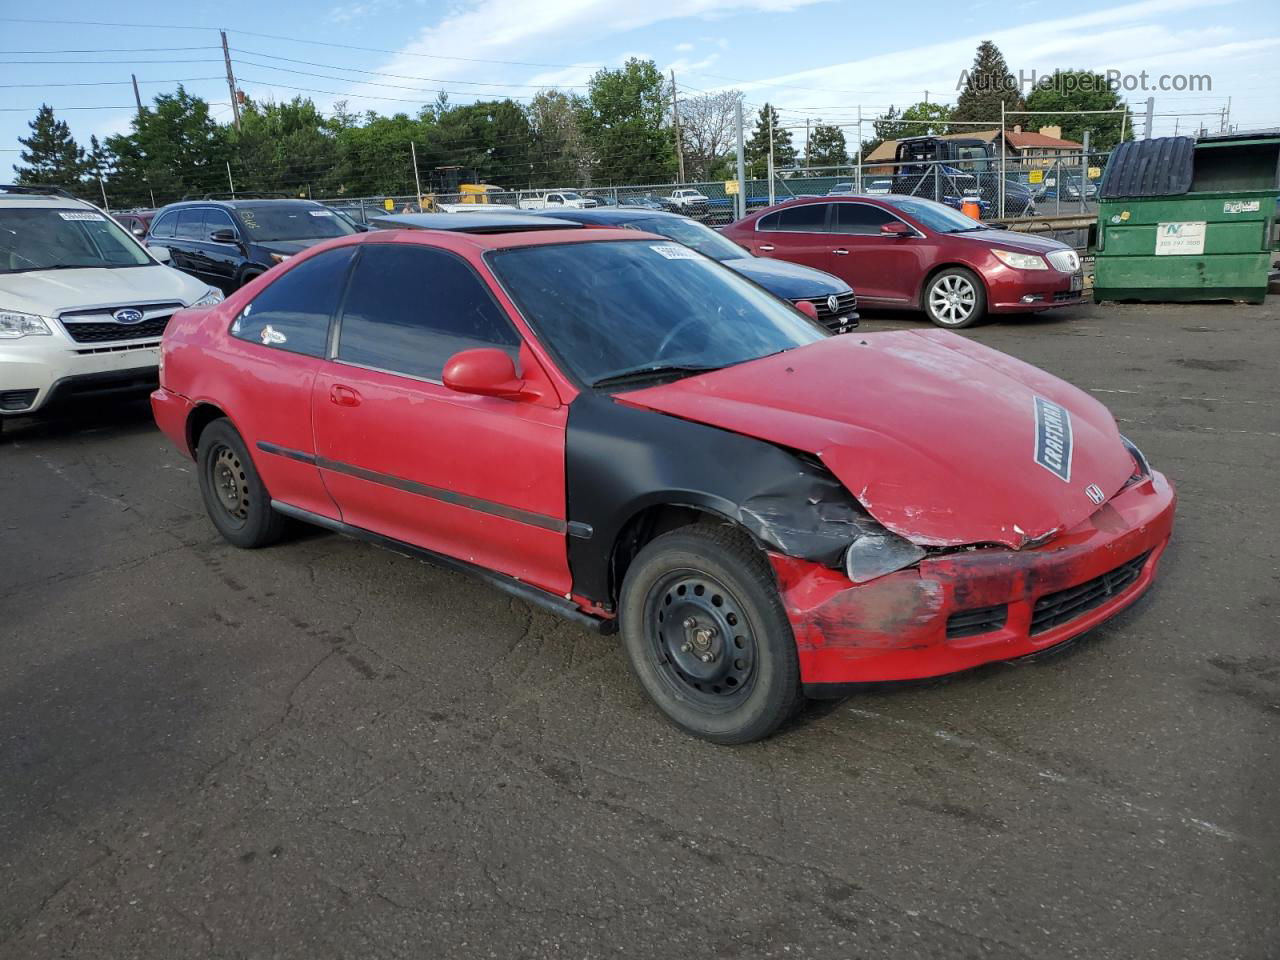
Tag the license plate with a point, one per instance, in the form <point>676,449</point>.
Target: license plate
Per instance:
<point>1077,282</point>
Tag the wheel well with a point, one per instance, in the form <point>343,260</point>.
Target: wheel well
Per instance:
<point>928,278</point>
<point>647,525</point>
<point>197,420</point>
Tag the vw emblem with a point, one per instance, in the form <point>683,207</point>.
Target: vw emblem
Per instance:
<point>1095,493</point>
<point>833,303</point>
<point>127,315</point>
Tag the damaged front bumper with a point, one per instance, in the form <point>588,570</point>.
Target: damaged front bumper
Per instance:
<point>960,610</point>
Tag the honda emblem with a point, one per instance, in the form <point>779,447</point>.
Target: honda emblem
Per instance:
<point>1095,493</point>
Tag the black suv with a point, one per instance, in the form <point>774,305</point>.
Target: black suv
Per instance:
<point>229,242</point>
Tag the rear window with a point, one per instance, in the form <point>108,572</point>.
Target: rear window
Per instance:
<point>292,221</point>
<point>806,218</point>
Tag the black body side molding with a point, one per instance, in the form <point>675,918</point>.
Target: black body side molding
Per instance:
<point>509,585</point>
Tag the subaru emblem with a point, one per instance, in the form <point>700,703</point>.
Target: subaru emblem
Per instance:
<point>127,315</point>
<point>833,303</point>
<point>1095,493</point>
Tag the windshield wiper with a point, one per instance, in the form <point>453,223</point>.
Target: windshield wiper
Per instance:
<point>981,226</point>
<point>652,371</point>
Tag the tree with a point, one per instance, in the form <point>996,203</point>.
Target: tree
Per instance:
<point>1069,90</point>
<point>560,152</point>
<point>176,149</point>
<point>757,148</point>
<point>490,140</point>
<point>284,146</point>
<point>52,157</point>
<point>827,147</point>
<point>626,124</point>
<point>708,128</point>
<point>986,86</point>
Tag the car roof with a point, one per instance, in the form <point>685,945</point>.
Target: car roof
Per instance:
<point>50,198</point>
<point>471,222</point>
<point>481,242</point>
<point>241,202</point>
<point>608,215</point>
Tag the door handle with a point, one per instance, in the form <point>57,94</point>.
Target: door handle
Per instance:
<point>840,252</point>
<point>343,396</point>
<point>766,247</point>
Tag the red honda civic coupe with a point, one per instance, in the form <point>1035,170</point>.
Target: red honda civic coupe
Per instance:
<point>902,252</point>
<point>626,433</point>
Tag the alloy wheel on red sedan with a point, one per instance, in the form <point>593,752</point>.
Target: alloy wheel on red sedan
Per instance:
<point>954,299</point>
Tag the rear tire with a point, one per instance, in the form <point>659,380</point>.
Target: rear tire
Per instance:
<point>707,636</point>
<point>234,496</point>
<point>955,298</point>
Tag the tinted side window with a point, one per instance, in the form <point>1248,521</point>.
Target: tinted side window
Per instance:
<point>294,312</point>
<point>860,218</point>
<point>215,219</point>
<point>164,227</point>
<point>190,225</point>
<point>410,309</point>
<point>808,218</point>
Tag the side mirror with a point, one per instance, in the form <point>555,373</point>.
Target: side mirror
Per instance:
<point>896,228</point>
<point>807,308</point>
<point>161,253</point>
<point>224,235</point>
<point>485,371</point>
<point>139,230</point>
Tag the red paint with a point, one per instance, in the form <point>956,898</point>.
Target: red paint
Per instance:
<point>932,432</point>
<point>890,271</point>
<point>894,628</point>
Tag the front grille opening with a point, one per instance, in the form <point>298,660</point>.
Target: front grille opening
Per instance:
<point>972,623</point>
<point>1054,609</point>
<point>111,331</point>
<point>831,319</point>
<point>16,399</point>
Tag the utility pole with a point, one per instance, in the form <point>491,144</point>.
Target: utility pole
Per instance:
<point>1084,170</point>
<point>105,206</point>
<point>1004,151</point>
<point>806,144</point>
<point>771,193</point>
<point>137,97</point>
<point>1151,116</point>
<point>231,82</point>
<point>858,172</point>
<point>413,151</point>
<point>742,167</point>
<point>675,122</point>
<point>231,183</point>
<point>1227,124</point>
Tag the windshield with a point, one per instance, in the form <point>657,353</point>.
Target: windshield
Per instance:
<point>694,235</point>
<point>936,216</point>
<point>973,158</point>
<point>571,196</point>
<point>608,308</point>
<point>44,238</point>
<point>288,221</point>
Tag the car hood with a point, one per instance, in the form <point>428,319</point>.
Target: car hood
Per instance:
<point>935,435</point>
<point>1013,240</point>
<point>49,292</point>
<point>787,280</point>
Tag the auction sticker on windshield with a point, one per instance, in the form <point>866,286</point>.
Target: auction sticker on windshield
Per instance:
<point>76,215</point>
<point>321,213</point>
<point>673,252</point>
<point>1180,238</point>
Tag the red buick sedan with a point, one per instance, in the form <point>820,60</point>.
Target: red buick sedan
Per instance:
<point>909,253</point>
<point>630,435</point>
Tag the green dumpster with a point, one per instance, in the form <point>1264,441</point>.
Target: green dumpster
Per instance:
<point>1183,219</point>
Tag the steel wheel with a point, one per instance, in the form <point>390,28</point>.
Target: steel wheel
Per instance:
<point>702,642</point>
<point>229,483</point>
<point>952,299</point>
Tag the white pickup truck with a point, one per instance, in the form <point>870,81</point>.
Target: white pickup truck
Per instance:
<point>684,199</point>
<point>559,198</point>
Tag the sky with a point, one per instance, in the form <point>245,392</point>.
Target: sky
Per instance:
<point>813,59</point>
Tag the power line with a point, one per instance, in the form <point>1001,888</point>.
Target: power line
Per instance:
<point>398,76</point>
<point>102,83</point>
<point>361,96</point>
<point>107,50</point>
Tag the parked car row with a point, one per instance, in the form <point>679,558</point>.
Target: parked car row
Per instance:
<point>637,437</point>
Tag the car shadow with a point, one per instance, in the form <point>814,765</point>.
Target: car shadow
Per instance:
<point>115,416</point>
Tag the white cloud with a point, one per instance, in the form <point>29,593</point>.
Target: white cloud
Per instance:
<point>683,47</point>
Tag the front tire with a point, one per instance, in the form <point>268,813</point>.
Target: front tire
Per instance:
<point>234,496</point>
<point>707,636</point>
<point>955,298</point>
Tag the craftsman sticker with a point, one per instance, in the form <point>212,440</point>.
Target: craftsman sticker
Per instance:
<point>1053,438</point>
<point>1179,238</point>
<point>1241,206</point>
<point>77,215</point>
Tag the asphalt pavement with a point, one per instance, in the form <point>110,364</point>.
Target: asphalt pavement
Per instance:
<point>326,750</point>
